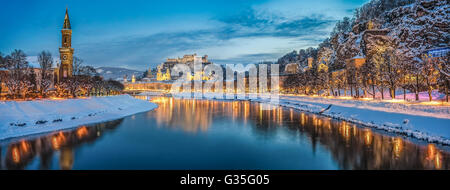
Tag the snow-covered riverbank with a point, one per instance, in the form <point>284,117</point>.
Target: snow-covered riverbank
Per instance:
<point>22,118</point>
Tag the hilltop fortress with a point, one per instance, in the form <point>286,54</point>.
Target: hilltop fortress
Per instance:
<point>163,70</point>
<point>186,59</point>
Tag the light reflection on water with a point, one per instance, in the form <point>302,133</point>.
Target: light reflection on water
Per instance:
<point>19,154</point>
<point>180,131</point>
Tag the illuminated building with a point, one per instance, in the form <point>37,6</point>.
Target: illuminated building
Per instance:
<point>160,76</point>
<point>310,62</point>
<point>291,68</point>
<point>163,73</point>
<point>66,50</point>
<point>186,59</point>
<point>357,61</point>
<point>322,67</point>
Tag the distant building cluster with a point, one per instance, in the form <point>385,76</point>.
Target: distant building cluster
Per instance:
<point>163,71</point>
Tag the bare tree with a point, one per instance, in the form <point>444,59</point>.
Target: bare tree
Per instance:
<point>77,65</point>
<point>18,82</point>
<point>45,60</point>
<point>2,62</point>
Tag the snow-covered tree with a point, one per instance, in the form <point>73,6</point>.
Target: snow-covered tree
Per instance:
<point>324,55</point>
<point>411,26</point>
<point>416,29</point>
<point>392,74</point>
<point>430,75</point>
<point>442,64</point>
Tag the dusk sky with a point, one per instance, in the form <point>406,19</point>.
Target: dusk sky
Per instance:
<point>137,34</point>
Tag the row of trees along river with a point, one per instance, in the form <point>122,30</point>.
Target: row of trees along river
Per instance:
<point>393,38</point>
<point>20,80</point>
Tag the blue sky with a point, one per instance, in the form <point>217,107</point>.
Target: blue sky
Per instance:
<point>138,34</point>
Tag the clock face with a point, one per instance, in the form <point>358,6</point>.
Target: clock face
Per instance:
<point>64,57</point>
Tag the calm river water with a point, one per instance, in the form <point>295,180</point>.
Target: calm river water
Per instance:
<point>206,134</point>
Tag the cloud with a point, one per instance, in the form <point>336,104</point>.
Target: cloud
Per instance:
<point>139,52</point>
<point>263,23</point>
<point>250,58</point>
<point>251,36</point>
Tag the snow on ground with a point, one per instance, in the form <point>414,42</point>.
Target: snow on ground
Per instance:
<point>21,118</point>
<point>410,96</point>
<point>426,122</point>
<point>438,111</point>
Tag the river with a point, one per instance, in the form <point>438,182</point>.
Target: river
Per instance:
<point>209,134</point>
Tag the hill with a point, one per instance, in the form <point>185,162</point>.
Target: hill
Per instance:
<point>117,73</point>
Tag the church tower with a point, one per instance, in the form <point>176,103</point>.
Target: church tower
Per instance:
<point>66,50</point>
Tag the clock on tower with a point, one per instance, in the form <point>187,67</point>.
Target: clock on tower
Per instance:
<point>66,50</point>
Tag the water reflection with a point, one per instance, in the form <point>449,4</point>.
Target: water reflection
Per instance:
<point>146,141</point>
<point>19,154</point>
<point>190,115</point>
<point>351,146</point>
